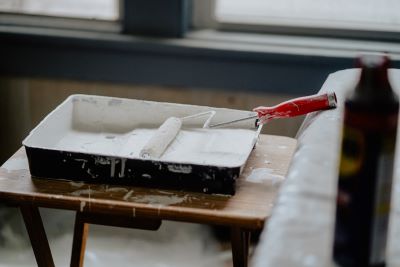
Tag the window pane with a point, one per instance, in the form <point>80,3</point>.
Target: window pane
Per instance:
<point>88,9</point>
<point>350,14</point>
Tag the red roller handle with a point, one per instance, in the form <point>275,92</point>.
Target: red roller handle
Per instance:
<point>297,106</point>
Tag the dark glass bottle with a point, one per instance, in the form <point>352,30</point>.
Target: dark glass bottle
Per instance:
<point>366,167</point>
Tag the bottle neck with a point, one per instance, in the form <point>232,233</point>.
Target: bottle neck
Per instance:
<point>373,93</point>
<point>373,80</point>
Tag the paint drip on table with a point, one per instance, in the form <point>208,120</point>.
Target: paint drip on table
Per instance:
<point>265,176</point>
<point>16,164</point>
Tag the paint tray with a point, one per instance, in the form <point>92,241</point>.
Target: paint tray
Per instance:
<point>98,139</point>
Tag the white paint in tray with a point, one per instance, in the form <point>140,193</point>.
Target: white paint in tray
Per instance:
<point>197,146</point>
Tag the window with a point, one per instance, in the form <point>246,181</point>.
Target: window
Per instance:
<point>359,14</point>
<point>107,42</point>
<point>86,9</point>
<point>350,18</point>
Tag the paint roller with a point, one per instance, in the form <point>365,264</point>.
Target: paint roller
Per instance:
<point>167,132</point>
<point>294,107</point>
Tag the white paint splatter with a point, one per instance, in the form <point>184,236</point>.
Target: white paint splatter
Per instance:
<point>122,173</point>
<point>128,195</point>
<point>159,165</point>
<point>264,175</point>
<point>102,161</point>
<point>113,161</point>
<point>178,168</point>
<point>117,189</point>
<point>84,192</point>
<point>82,206</point>
<point>83,162</point>
<point>76,184</point>
<point>159,209</point>
<point>89,171</point>
<point>147,176</point>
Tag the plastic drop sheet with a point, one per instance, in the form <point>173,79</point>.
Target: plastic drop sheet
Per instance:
<point>175,244</point>
<point>300,231</point>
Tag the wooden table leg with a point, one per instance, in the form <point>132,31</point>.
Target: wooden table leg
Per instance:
<point>37,235</point>
<point>83,219</point>
<point>79,240</point>
<point>240,241</point>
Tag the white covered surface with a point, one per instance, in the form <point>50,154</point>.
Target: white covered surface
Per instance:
<point>300,231</point>
<point>173,245</point>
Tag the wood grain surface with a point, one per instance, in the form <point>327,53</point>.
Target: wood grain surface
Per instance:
<point>248,208</point>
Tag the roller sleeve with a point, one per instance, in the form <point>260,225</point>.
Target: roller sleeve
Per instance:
<point>164,135</point>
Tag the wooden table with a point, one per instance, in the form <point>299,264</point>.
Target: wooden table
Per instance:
<point>145,208</point>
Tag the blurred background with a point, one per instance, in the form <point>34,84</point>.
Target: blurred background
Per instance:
<point>223,53</point>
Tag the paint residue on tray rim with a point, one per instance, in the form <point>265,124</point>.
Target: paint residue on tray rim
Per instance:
<point>180,168</point>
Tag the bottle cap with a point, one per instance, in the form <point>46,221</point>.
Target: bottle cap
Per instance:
<point>373,61</point>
